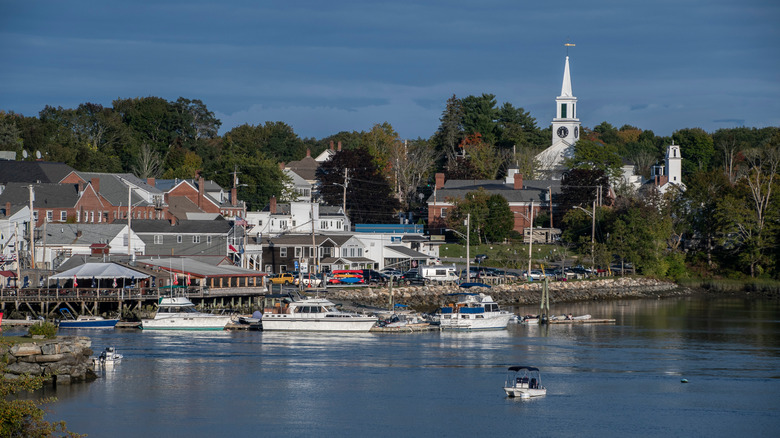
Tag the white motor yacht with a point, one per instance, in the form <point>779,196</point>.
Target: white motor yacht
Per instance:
<point>179,313</point>
<point>474,312</point>
<point>314,315</point>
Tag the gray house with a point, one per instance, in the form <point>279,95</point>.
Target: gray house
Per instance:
<point>190,238</point>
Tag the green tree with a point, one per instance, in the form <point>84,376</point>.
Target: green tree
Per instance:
<point>589,154</point>
<point>697,149</point>
<point>500,220</point>
<point>475,204</point>
<point>369,197</point>
<point>480,116</point>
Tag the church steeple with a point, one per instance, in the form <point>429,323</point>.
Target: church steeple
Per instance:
<point>566,87</point>
<point>566,125</point>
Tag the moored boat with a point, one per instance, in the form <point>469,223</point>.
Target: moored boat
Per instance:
<point>524,382</point>
<point>85,321</point>
<point>179,313</point>
<point>474,312</point>
<point>314,314</point>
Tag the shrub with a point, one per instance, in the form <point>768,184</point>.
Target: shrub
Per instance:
<point>47,329</point>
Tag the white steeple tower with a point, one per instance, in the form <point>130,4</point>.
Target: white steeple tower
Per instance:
<point>566,125</point>
<point>674,164</point>
<point>565,129</point>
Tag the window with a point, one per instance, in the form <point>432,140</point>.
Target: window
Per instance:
<point>443,213</point>
<point>563,110</point>
<point>92,217</point>
<point>208,240</point>
<point>78,215</point>
<point>195,239</point>
<point>63,216</point>
<point>298,252</point>
<point>311,251</point>
<point>178,238</point>
<point>283,251</point>
<point>49,216</point>
<point>158,239</point>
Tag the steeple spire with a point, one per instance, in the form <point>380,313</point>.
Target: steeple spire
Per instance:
<point>566,87</point>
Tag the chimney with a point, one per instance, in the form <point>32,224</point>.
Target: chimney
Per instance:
<point>81,187</point>
<point>233,195</point>
<point>281,166</point>
<point>7,209</point>
<point>331,145</point>
<point>339,147</point>
<point>439,181</point>
<point>308,153</point>
<point>95,184</point>
<point>150,181</point>
<point>272,206</point>
<point>201,192</point>
<point>518,181</point>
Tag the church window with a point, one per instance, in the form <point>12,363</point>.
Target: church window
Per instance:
<point>563,110</point>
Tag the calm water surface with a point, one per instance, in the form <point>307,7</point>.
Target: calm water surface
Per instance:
<point>603,380</point>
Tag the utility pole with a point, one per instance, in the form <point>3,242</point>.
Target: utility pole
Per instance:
<point>315,256</point>
<point>32,229</point>
<point>530,239</point>
<point>18,260</point>
<point>468,247</point>
<point>593,240</point>
<point>346,183</point>
<point>551,216</point>
<point>129,214</point>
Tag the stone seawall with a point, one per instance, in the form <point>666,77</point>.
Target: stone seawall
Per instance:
<point>66,359</point>
<point>424,297</point>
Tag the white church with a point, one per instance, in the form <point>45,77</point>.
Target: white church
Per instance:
<point>566,132</point>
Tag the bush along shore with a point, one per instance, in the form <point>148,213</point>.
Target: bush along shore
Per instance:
<point>427,298</point>
<point>65,359</point>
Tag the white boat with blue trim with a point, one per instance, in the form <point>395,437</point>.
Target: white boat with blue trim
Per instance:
<point>474,311</point>
<point>524,382</point>
<point>179,313</point>
<point>312,314</point>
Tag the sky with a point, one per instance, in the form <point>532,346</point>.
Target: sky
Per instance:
<point>323,67</point>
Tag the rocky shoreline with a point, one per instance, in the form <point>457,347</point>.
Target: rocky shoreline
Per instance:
<point>65,359</point>
<point>427,298</point>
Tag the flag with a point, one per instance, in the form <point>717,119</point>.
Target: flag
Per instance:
<point>188,279</point>
<point>241,222</point>
<point>175,279</point>
<point>114,283</point>
<point>75,281</point>
<point>232,248</point>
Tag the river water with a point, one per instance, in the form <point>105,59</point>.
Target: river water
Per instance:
<point>619,380</point>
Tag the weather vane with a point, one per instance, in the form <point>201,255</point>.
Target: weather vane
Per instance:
<point>568,44</point>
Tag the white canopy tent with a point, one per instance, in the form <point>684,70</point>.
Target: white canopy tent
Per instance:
<point>99,271</point>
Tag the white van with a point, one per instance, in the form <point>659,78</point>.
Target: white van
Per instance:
<point>440,273</point>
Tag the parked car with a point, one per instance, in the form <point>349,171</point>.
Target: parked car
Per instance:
<point>413,276</point>
<point>371,276</point>
<point>283,278</point>
<point>390,271</point>
<point>311,280</point>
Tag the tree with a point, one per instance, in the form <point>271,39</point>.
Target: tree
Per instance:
<point>475,204</point>
<point>413,162</point>
<point>369,197</point>
<point>589,154</point>
<point>500,220</point>
<point>203,121</point>
<point>479,116</point>
<point>148,163</point>
<point>10,136</point>
<point>451,128</point>
<point>485,160</point>
<point>697,148</point>
<point>580,187</point>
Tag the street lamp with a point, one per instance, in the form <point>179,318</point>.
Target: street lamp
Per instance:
<point>592,235</point>
<point>468,254</point>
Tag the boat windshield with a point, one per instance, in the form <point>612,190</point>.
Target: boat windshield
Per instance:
<point>177,309</point>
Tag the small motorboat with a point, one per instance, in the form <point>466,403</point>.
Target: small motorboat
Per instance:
<point>529,319</point>
<point>524,382</point>
<point>85,321</point>
<point>108,357</point>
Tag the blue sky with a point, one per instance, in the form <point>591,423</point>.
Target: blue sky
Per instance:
<point>329,66</point>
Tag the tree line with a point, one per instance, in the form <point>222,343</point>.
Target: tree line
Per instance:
<point>724,223</point>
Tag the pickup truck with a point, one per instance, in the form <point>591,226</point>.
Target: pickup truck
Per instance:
<point>283,278</point>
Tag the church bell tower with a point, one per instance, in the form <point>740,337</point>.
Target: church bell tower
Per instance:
<point>566,125</point>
